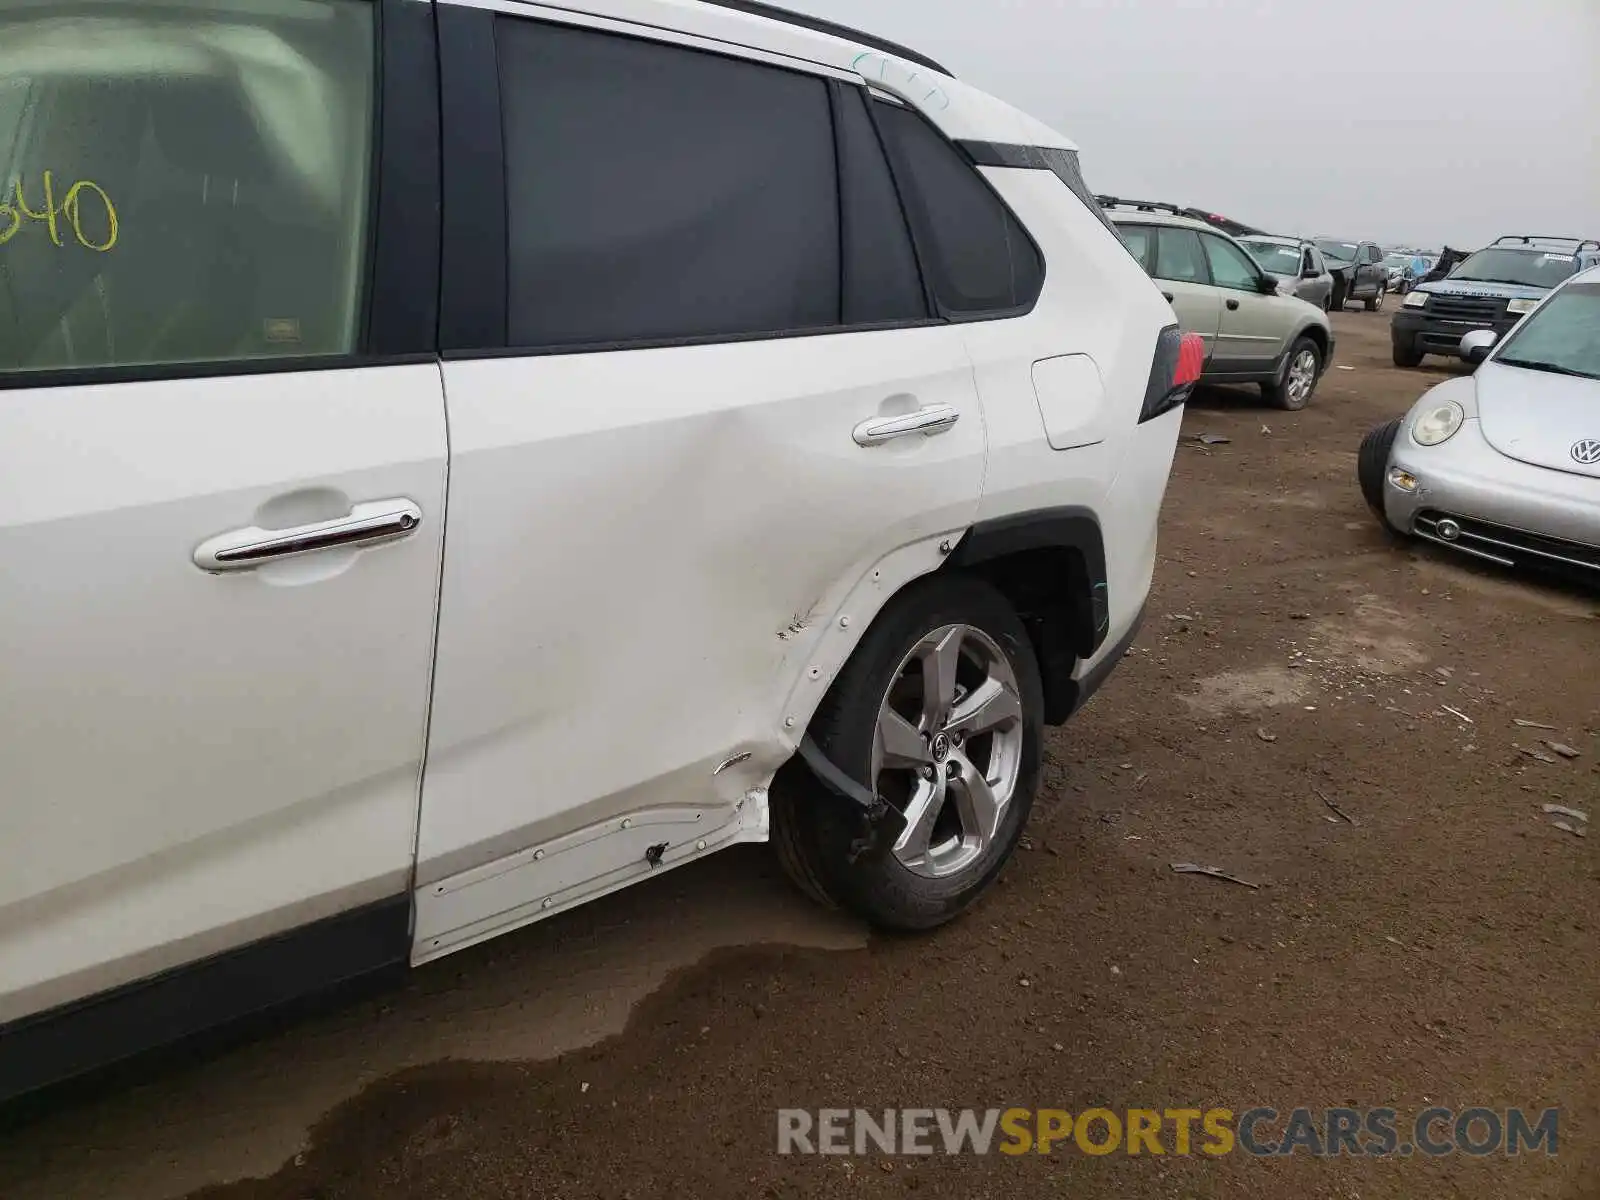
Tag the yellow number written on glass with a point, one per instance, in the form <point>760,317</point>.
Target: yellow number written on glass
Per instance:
<point>69,212</point>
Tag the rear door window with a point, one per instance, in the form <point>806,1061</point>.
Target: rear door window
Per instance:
<point>979,259</point>
<point>656,192</point>
<point>182,183</point>
<point>1179,256</point>
<point>1140,241</point>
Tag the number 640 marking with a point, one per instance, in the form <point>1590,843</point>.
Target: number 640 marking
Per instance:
<point>70,208</point>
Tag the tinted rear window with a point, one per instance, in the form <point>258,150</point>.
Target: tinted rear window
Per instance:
<point>977,255</point>
<point>656,192</point>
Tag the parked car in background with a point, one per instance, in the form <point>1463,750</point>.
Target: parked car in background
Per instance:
<point>1252,333</point>
<point>1492,289</point>
<point>1441,264</point>
<point>822,424</point>
<point>1421,264</point>
<point>1504,464</point>
<point>1402,270</point>
<point>1358,272</point>
<point>1296,264</point>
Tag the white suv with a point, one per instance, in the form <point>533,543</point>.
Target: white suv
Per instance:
<point>454,456</point>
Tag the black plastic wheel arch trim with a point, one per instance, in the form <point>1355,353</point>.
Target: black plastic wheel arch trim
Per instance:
<point>1085,688</point>
<point>1069,528</point>
<point>1065,638</point>
<point>881,823</point>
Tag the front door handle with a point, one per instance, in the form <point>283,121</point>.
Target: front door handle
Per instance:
<point>1233,306</point>
<point>929,420</point>
<point>369,523</point>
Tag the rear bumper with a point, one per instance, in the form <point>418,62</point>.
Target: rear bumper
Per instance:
<point>1473,499</point>
<point>1427,334</point>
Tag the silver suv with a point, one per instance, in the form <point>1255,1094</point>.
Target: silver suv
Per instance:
<point>1253,332</point>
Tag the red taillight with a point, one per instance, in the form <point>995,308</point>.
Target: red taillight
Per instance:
<point>1191,360</point>
<point>1179,359</point>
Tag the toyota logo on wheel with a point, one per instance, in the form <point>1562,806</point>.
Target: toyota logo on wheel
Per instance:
<point>1586,452</point>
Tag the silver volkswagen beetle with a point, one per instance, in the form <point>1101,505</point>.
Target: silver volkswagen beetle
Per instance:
<point>1504,464</point>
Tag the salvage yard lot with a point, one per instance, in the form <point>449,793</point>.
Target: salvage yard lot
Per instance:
<point>1435,948</point>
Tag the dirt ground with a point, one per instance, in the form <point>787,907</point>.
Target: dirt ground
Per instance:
<point>1437,948</point>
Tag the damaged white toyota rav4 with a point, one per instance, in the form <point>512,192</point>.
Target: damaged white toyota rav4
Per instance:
<point>462,458</point>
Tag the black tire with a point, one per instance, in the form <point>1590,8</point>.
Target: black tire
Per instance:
<point>1376,303</point>
<point>1277,393</point>
<point>1373,462</point>
<point>1341,293</point>
<point>814,830</point>
<point>1407,356</point>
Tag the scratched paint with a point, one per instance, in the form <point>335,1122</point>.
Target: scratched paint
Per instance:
<point>912,82</point>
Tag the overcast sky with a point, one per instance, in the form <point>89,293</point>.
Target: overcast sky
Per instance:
<point>1418,121</point>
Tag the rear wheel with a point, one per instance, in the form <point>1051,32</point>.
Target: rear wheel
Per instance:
<point>1372,464</point>
<point>1407,356</point>
<point>939,713</point>
<point>1292,390</point>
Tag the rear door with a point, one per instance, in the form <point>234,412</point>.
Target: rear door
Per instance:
<point>222,464</point>
<point>1253,326</point>
<point>696,398</point>
<point>1374,275</point>
<point>1185,281</point>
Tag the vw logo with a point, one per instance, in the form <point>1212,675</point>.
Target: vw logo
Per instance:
<point>1586,452</point>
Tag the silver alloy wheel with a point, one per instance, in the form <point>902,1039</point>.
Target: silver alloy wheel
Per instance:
<point>1302,377</point>
<point>948,748</point>
<point>1382,292</point>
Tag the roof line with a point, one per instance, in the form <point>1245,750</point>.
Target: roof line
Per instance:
<point>758,8</point>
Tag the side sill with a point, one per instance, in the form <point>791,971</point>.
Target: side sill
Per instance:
<point>79,1041</point>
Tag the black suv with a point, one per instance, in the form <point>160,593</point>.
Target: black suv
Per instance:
<point>1358,272</point>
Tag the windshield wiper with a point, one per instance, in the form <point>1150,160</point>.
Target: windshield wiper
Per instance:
<point>1507,282</point>
<point>1549,368</point>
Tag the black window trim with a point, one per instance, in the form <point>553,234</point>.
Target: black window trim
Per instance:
<point>397,311</point>
<point>1058,160</point>
<point>836,91</point>
<point>474,318</point>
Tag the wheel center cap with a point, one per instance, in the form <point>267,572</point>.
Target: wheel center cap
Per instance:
<point>940,747</point>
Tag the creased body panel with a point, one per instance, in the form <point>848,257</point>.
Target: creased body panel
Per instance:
<point>639,542</point>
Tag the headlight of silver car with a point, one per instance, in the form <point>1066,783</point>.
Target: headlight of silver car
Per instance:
<point>1517,307</point>
<point>1416,299</point>
<point>1437,423</point>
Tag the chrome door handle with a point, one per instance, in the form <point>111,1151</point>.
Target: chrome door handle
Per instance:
<point>369,523</point>
<point>928,421</point>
